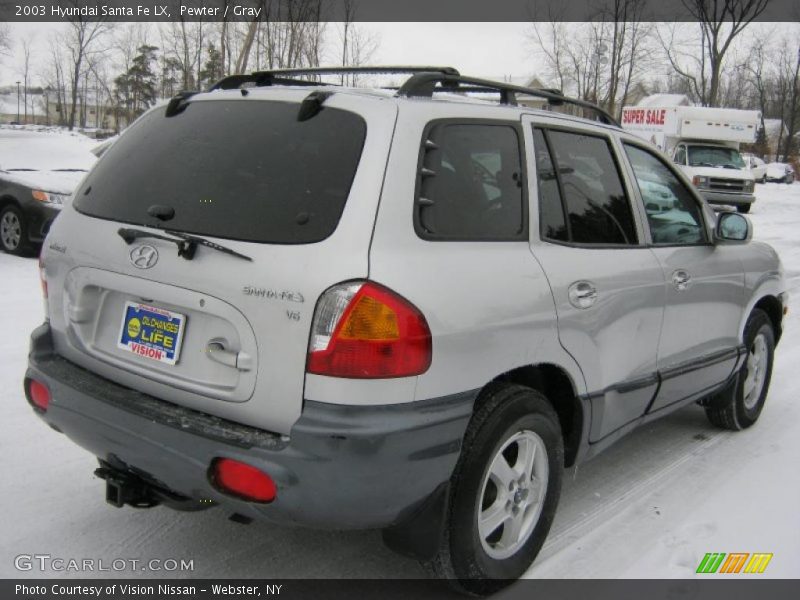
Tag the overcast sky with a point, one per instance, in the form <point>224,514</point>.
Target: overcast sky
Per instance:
<point>480,49</point>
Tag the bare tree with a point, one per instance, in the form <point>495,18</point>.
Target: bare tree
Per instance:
<point>793,108</point>
<point>5,39</point>
<point>622,25</point>
<point>56,79</point>
<point>291,34</point>
<point>358,44</point>
<point>25,70</point>
<point>758,79</point>
<point>550,36</point>
<point>720,22</point>
<point>182,43</point>
<point>80,40</point>
<point>600,60</point>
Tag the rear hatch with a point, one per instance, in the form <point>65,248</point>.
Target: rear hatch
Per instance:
<point>224,330</point>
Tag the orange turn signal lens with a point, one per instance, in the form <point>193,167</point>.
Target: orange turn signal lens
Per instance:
<point>40,196</point>
<point>370,319</point>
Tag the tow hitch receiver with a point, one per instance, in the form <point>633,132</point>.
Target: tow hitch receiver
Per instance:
<point>125,488</point>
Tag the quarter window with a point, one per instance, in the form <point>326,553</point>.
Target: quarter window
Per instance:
<point>552,221</point>
<point>673,215</point>
<point>470,183</point>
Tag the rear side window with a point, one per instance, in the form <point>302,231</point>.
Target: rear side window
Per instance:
<point>596,207</point>
<point>244,170</point>
<point>470,183</point>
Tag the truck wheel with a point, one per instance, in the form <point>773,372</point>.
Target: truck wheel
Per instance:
<point>504,491</point>
<point>740,405</point>
<point>744,208</point>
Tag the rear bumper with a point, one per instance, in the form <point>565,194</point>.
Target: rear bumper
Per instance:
<point>714,197</point>
<point>342,467</point>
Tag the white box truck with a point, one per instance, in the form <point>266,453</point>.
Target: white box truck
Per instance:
<point>704,143</point>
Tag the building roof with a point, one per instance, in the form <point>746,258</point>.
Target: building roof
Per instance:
<point>665,100</point>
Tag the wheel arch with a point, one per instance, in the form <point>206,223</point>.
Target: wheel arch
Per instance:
<point>559,388</point>
<point>6,199</point>
<point>774,309</point>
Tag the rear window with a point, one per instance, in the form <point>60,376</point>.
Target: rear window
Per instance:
<point>244,170</point>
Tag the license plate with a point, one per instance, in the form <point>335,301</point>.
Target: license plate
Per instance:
<point>151,332</point>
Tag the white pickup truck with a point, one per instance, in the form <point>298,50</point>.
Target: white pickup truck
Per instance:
<point>704,143</point>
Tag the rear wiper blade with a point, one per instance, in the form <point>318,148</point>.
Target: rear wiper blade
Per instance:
<point>187,244</point>
<point>186,248</point>
<point>194,239</point>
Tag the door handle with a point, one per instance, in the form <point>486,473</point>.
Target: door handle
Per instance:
<point>681,280</point>
<point>582,294</point>
<point>238,360</point>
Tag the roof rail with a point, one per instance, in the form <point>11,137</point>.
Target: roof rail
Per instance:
<point>288,76</point>
<point>425,85</point>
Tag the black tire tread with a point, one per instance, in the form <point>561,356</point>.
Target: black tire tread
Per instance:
<point>723,414</point>
<point>495,394</point>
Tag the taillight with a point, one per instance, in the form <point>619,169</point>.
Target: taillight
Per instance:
<point>363,330</point>
<point>38,394</point>
<point>243,480</point>
<point>43,282</point>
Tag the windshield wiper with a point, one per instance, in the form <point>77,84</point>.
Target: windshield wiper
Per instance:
<point>187,244</point>
<point>186,248</point>
<point>194,239</point>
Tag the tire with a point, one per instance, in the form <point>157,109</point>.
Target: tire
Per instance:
<point>739,406</point>
<point>14,231</point>
<point>512,420</point>
<point>743,208</point>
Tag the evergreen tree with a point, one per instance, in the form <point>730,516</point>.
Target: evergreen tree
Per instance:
<point>213,69</point>
<point>136,89</point>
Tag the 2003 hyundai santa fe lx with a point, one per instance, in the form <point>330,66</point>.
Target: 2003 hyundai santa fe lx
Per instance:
<point>400,309</point>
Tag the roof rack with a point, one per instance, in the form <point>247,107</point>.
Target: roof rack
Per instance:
<point>424,82</point>
<point>288,76</point>
<point>425,85</point>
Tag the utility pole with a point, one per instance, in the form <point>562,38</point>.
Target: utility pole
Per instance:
<point>18,103</point>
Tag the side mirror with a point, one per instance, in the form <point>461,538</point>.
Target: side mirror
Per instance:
<point>733,227</point>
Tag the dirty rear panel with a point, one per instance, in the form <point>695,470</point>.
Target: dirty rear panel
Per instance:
<point>297,198</point>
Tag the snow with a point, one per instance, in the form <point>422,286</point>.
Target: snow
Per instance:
<point>45,157</point>
<point>651,506</point>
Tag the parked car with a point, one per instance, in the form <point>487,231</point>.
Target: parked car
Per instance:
<point>756,166</point>
<point>780,172</point>
<point>354,309</point>
<point>38,172</point>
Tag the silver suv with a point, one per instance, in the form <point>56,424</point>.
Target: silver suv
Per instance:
<point>407,309</point>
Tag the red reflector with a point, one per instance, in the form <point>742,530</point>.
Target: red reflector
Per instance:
<point>39,394</point>
<point>240,479</point>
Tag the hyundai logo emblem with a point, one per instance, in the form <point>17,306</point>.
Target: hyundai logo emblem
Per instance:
<point>144,257</point>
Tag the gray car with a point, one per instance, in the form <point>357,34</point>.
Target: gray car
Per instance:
<point>398,309</point>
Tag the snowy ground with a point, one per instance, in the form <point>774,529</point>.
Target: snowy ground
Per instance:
<point>651,506</point>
